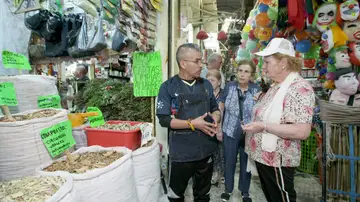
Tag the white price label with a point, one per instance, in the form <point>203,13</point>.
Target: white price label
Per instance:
<point>146,132</point>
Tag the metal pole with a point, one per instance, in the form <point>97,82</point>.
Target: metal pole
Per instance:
<point>324,188</point>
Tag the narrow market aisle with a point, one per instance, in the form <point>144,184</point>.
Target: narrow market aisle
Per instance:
<point>307,188</point>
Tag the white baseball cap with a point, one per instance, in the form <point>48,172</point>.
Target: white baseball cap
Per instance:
<point>278,45</point>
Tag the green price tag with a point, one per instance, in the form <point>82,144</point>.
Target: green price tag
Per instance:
<point>15,60</point>
<point>51,101</point>
<point>58,138</point>
<point>96,120</point>
<point>7,94</point>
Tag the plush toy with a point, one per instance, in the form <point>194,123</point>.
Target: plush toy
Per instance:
<point>352,30</point>
<point>325,16</point>
<point>354,53</point>
<point>346,85</point>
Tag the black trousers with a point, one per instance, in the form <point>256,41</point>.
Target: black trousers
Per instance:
<point>277,183</point>
<point>180,174</point>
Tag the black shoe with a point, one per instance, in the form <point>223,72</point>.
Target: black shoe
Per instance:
<point>246,199</point>
<point>225,196</point>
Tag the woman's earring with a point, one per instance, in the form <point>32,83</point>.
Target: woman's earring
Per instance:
<point>283,68</point>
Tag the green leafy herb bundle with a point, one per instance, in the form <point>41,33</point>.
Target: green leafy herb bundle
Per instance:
<point>116,100</point>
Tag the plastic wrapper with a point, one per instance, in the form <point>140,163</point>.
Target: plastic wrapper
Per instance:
<point>97,43</point>
<point>118,42</point>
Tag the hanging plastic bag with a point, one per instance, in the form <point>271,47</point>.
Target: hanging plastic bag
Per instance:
<point>34,20</point>
<point>80,47</point>
<point>119,41</point>
<point>97,43</point>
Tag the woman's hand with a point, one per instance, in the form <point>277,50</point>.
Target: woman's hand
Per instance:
<point>206,127</point>
<point>254,127</point>
<point>219,135</point>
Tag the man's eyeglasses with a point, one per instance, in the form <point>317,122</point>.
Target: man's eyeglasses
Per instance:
<point>197,61</point>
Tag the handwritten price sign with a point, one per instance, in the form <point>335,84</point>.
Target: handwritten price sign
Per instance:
<point>96,120</point>
<point>51,101</point>
<point>7,94</point>
<point>58,138</point>
<point>147,74</point>
<point>15,60</point>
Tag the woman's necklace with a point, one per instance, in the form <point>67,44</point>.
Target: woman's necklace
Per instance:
<point>217,92</point>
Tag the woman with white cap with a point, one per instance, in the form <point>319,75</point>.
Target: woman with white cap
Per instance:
<point>281,119</point>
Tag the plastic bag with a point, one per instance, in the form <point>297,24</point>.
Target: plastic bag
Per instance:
<point>97,43</point>
<point>80,47</point>
<point>118,42</point>
<point>34,20</point>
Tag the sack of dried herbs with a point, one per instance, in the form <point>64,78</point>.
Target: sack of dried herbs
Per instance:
<point>116,101</point>
<point>146,163</point>
<point>100,174</point>
<point>21,147</point>
<point>39,189</point>
<point>28,89</point>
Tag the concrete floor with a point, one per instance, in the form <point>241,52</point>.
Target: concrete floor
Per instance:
<point>308,190</point>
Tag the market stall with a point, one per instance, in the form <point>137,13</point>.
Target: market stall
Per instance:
<point>105,152</point>
<point>325,35</point>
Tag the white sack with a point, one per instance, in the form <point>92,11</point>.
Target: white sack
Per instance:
<point>80,136</point>
<point>146,163</point>
<point>28,89</point>
<point>66,192</point>
<point>21,148</point>
<point>114,183</point>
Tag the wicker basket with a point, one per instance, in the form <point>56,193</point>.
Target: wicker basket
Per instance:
<point>339,113</point>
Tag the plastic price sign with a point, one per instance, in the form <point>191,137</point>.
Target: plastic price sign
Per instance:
<point>51,101</point>
<point>147,74</point>
<point>96,120</point>
<point>8,94</point>
<point>58,138</point>
<point>15,60</point>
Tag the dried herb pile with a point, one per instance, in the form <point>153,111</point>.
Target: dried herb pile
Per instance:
<point>120,126</point>
<point>35,115</point>
<point>30,189</point>
<point>116,100</point>
<point>86,161</point>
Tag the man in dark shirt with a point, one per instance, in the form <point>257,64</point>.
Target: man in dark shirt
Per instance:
<point>187,106</point>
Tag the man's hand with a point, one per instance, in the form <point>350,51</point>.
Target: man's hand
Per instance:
<point>206,127</point>
<point>70,98</point>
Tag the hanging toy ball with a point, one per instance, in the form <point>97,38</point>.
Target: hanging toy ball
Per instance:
<point>264,33</point>
<point>303,46</point>
<point>329,84</point>
<point>272,13</point>
<point>263,8</point>
<point>262,20</point>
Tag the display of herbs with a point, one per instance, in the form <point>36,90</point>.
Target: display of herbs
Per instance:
<point>116,100</point>
<point>30,189</point>
<point>118,126</point>
<point>35,115</point>
<point>80,163</point>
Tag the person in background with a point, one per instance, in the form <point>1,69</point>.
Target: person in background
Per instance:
<point>214,62</point>
<point>236,103</point>
<point>187,106</point>
<point>70,92</point>
<point>282,118</point>
<point>81,80</point>
<point>214,76</point>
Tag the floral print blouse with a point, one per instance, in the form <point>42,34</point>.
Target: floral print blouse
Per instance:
<point>298,107</point>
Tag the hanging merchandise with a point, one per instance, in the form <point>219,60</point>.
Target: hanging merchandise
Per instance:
<point>202,35</point>
<point>325,16</point>
<point>354,53</point>
<point>97,43</point>
<point>348,11</point>
<point>80,46</point>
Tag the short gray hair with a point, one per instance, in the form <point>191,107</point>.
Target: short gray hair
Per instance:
<point>213,57</point>
<point>181,51</point>
<point>82,67</point>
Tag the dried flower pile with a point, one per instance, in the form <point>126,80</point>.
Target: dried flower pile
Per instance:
<point>80,163</point>
<point>30,189</point>
<point>34,115</point>
<point>119,126</point>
